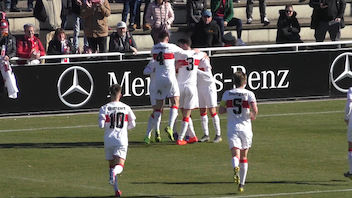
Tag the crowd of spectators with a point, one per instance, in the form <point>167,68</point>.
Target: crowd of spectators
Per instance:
<point>205,24</point>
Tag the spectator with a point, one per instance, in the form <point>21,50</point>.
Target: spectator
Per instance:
<point>146,26</point>
<point>29,46</point>
<point>195,9</point>
<point>59,45</point>
<point>131,7</point>
<point>48,13</point>
<point>73,7</point>
<point>207,32</point>
<point>11,5</point>
<point>327,17</point>
<point>122,40</point>
<point>223,15</point>
<point>7,40</point>
<point>262,10</point>
<point>288,27</point>
<point>30,5</point>
<point>160,15</point>
<point>95,14</point>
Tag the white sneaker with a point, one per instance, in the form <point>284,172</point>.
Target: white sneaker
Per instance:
<point>249,20</point>
<point>266,21</point>
<point>239,42</point>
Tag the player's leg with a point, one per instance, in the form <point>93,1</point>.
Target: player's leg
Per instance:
<point>174,103</point>
<point>349,173</point>
<point>184,126</point>
<point>204,124</point>
<point>216,124</point>
<point>243,169</point>
<point>191,133</point>
<point>118,164</point>
<point>157,116</point>
<point>235,160</point>
<point>150,128</point>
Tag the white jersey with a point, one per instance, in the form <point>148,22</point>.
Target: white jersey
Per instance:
<point>205,77</point>
<point>348,114</point>
<point>164,54</point>
<point>187,68</point>
<point>238,109</point>
<point>116,118</point>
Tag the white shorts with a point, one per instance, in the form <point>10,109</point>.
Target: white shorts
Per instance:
<point>152,98</point>
<point>207,96</point>
<point>166,88</point>
<point>349,134</point>
<point>115,151</point>
<point>240,139</point>
<point>188,97</point>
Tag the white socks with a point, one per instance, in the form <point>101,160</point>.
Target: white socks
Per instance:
<point>235,161</point>
<point>157,118</point>
<point>350,159</point>
<point>216,123</point>
<point>184,127</point>
<point>150,126</point>
<point>173,116</point>
<point>204,123</point>
<point>243,170</point>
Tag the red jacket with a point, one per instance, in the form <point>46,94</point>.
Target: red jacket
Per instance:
<point>25,46</point>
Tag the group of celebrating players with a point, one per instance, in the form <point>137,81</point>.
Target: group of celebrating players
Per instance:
<point>183,76</point>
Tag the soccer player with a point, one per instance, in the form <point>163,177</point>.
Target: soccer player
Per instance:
<point>241,107</point>
<point>116,117</point>
<point>348,121</point>
<point>150,70</point>
<point>187,82</point>
<point>165,80</point>
<point>207,100</point>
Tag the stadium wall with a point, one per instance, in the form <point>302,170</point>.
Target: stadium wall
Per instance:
<point>82,86</point>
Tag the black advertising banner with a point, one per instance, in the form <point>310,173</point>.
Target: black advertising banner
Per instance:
<point>83,86</point>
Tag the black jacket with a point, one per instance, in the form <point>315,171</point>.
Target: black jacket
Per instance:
<point>194,10</point>
<point>10,43</point>
<point>117,45</point>
<point>55,49</point>
<point>335,9</point>
<point>288,28</point>
<point>206,35</point>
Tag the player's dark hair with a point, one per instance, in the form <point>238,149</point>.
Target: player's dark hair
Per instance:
<point>114,90</point>
<point>186,41</point>
<point>239,78</point>
<point>162,35</point>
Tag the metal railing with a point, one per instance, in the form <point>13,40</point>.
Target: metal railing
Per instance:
<point>220,51</point>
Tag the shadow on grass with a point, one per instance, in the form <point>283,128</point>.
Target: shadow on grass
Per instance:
<point>161,196</point>
<point>67,145</point>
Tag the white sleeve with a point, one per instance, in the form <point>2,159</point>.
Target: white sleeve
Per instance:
<point>224,96</point>
<point>348,107</point>
<point>101,118</point>
<point>149,68</point>
<point>205,63</point>
<point>131,120</point>
<point>180,54</point>
<point>252,98</point>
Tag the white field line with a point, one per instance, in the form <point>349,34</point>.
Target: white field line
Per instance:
<point>95,125</point>
<point>290,194</point>
<point>58,183</point>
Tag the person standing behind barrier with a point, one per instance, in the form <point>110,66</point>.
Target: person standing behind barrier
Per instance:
<point>288,27</point>
<point>48,13</point>
<point>59,45</point>
<point>129,6</point>
<point>95,14</point>
<point>7,40</point>
<point>29,46</point>
<point>327,16</point>
<point>160,16</point>
<point>222,11</point>
<point>207,32</point>
<point>195,8</point>
<point>122,40</point>
<point>262,10</point>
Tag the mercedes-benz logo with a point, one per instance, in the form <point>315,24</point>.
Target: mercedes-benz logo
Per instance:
<point>346,73</point>
<point>75,87</point>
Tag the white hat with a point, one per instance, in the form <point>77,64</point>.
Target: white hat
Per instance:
<point>121,24</point>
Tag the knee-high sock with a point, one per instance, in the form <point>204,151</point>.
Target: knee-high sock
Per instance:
<point>111,168</point>
<point>117,170</point>
<point>190,130</point>
<point>216,123</point>
<point>235,161</point>
<point>350,159</point>
<point>173,116</point>
<point>184,127</point>
<point>157,117</point>
<point>116,186</point>
<point>150,126</point>
<point>243,170</point>
<point>204,123</point>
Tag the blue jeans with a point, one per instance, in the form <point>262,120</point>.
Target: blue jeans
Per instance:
<point>234,22</point>
<point>129,6</point>
<point>76,28</point>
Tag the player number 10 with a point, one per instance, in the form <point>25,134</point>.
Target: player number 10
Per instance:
<point>117,120</point>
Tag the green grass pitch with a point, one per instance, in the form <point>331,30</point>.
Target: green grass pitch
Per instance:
<point>299,150</point>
